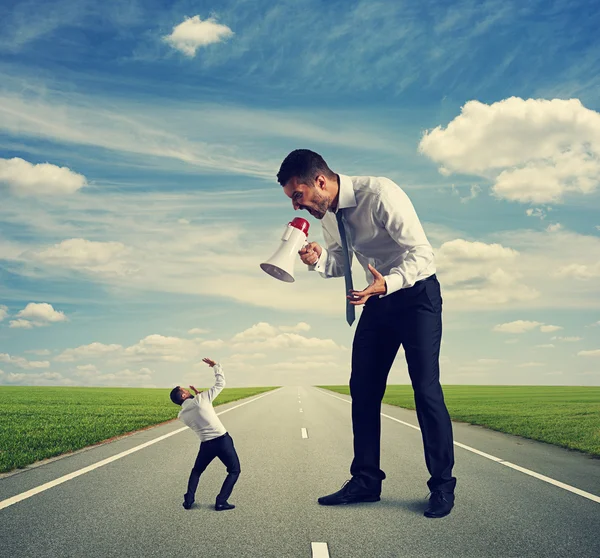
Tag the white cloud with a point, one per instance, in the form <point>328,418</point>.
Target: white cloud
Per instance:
<point>593,353</point>
<point>42,312</point>
<point>567,339</point>
<point>3,312</point>
<point>488,361</point>
<point>583,272</point>
<point>212,344</point>
<point>87,368</point>
<point>242,357</point>
<point>287,341</point>
<point>475,273</point>
<point>530,364</point>
<point>198,331</point>
<point>545,346</point>
<point>23,324</point>
<point>535,150</point>
<point>474,191</point>
<point>23,363</point>
<point>162,348</point>
<point>40,352</point>
<point>549,328</point>
<point>37,315</point>
<point>123,378</point>
<point>261,330</point>
<point>299,327</point>
<point>104,258</point>
<point>194,33</point>
<point>464,250</point>
<point>126,130</point>
<point>93,350</point>
<point>554,227</point>
<point>511,341</point>
<point>314,364</point>
<point>37,379</point>
<point>183,221</point>
<point>24,178</point>
<point>536,212</point>
<point>518,326</point>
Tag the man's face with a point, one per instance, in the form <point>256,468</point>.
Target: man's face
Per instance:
<point>185,394</point>
<point>313,199</point>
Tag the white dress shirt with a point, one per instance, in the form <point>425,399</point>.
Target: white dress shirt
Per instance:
<point>382,229</point>
<point>198,413</point>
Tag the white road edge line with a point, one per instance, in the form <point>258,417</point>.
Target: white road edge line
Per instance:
<point>529,472</point>
<point>319,550</point>
<point>304,433</point>
<point>42,487</point>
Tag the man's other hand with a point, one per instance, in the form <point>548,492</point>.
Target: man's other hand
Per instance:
<point>377,287</point>
<point>311,253</point>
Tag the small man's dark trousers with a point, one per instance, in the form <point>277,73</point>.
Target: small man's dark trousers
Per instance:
<point>223,448</point>
<point>412,318</point>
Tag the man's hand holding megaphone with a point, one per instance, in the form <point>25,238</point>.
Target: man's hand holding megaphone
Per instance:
<point>310,255</point>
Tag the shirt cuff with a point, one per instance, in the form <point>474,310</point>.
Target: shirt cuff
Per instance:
<point>321,262</point>
<point>393,282</point>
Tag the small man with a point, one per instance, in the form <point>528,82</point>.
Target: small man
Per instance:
<point>198,414</point>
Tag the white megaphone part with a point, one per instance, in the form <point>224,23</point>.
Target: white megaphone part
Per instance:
<point>281,264</point>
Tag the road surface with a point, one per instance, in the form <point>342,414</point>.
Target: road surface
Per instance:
<point>295,445</point>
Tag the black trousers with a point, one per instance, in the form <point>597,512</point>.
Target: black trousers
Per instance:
<point>223,448</point>
<point>412,318</point>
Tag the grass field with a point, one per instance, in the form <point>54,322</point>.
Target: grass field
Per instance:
<point>564,416</point>
<point>41,422</point>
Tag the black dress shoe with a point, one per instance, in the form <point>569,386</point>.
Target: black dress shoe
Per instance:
<point>220,506</point>
<point>187,502</point>
<point>440,504</point>
<point>350,493</point>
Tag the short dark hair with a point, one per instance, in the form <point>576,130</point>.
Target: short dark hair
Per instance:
<point>176,395</point>
<point>305,165</point>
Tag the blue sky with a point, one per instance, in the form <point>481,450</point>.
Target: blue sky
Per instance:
<point>139,143</point>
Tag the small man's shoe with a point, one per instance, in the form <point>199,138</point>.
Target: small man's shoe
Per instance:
<point>187,502</point>
<point>440,504</point>
<point>221,506</point>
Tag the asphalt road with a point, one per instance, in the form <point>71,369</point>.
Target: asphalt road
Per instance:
<point>131,506</point>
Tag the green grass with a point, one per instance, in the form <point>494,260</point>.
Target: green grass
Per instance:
<point>564,416</point>
<point>41,422</point>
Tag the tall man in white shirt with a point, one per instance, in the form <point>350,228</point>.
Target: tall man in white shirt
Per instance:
<point>198,414</point>
<point>403,306</point>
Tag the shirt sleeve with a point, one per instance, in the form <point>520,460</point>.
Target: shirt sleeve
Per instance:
<point>396,213</point>
<point>219,384</point>
<point>331,260</point>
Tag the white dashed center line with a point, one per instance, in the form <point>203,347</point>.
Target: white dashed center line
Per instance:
<point>319,550</point>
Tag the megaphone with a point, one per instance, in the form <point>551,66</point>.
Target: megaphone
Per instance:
<point>281,264</point>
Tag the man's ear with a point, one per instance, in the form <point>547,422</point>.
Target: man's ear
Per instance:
<point>321,182</point>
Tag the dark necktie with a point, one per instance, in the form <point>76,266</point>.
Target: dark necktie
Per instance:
<point>350,310</point>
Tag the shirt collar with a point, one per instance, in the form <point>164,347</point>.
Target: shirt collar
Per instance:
<point>346,196</point>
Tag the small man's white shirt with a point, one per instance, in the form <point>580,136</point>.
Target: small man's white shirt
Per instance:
<point>382,228</point>
<point>198,413</point>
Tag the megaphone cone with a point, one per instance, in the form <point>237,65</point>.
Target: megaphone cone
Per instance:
<point>281,264</point>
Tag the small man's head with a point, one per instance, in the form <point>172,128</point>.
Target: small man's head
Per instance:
<point>179,395</point>
<point>308,181</point>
